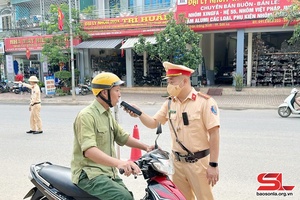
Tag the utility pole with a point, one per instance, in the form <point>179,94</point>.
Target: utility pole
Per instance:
<point>72,51</point>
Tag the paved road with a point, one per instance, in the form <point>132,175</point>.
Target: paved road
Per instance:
<point>251,101</point>
<point>238,179</point>
<point>252,142</point>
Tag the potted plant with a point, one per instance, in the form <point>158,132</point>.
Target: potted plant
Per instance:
<point>238,79</point>
<point>64,76</point>
<point>42,86</point>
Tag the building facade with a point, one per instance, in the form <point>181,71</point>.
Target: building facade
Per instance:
<point>236,35</point>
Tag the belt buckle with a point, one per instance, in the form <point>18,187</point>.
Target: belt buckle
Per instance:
<point>191,159</point>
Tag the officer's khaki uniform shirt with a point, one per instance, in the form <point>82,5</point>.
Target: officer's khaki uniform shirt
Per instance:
<point>35,93</point>
<point>203,114</point>
<point>95,127</point>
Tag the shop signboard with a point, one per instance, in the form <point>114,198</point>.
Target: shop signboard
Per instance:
<point>32,43</point>
<point>45,67</point>
<point>230,14</point>
<point>202,15</point>
<point>49,85</point>
<point>9,64</point>
<point>126,26</point>
<point>1,47</point>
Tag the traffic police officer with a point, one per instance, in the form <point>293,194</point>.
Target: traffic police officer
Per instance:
<point>194,125</point>
<point>35,105</point>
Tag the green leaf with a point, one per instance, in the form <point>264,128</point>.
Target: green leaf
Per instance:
<point>172,42</point>
<point>55,49</point>
<point>290,14</point>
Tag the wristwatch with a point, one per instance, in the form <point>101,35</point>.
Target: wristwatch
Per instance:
<point>213,164</point>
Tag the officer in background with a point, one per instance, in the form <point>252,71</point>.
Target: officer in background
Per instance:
<point>194,125</point>
<point>35,105</point>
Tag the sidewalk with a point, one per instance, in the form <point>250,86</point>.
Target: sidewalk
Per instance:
<point>249,98</point>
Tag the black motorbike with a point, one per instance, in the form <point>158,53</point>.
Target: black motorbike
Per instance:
<point>84,89</point>
<point>54,181</point>
<point>18,88</point>
<point>60,84</point>
<point>5,86</point>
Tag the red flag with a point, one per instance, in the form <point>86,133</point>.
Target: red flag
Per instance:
<point>60,19</point>
<point>27,53</point>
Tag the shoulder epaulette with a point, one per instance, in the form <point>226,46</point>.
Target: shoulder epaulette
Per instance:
<point>205,96</point>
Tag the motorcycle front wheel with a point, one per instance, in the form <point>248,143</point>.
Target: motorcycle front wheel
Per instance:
<point>1,89</point>
<point>83,92</point>
<point>284,111</point>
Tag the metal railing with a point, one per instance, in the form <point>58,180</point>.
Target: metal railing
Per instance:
<point>129,11</point>
<point>29,15</point>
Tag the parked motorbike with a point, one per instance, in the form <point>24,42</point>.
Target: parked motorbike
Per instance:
<point>149,80</point>
<point>54,181</point>
<point>84,89</point>
<point>288,106</point>
<point>60,84</point>
<point>5,86</point>
<point>17,89</point>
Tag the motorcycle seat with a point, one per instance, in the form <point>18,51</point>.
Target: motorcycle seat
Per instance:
<point>60,178</point>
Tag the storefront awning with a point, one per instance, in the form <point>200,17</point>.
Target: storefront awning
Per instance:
<point>131,41</point>
<point>99,44</point>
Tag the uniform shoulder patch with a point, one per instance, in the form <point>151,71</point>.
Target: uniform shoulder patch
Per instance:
<point>205,96</point>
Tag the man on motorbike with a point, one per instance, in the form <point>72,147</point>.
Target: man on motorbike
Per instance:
<point>94,164</point>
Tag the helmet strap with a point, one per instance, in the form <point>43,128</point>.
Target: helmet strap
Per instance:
<point>108,101</point>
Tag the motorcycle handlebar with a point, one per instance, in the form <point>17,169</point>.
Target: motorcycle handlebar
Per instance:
<point>122,172</point>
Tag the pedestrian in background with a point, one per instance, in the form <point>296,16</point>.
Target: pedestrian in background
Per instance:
<point>194,126</point>
<point>35,105</point>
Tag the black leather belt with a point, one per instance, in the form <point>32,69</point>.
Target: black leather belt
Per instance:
<point>35,103</point>
<point>191,158</point>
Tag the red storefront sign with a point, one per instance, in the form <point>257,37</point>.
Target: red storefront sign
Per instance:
<point>230,14</point>
<point>131,22</point>
<point>126,26</point>
<point>202,15</point>
<point>32,43</point>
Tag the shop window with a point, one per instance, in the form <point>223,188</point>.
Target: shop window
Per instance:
<point>130,3</point>
<point>114,6</point>
<point>156,4</point>
<point>6,23</point>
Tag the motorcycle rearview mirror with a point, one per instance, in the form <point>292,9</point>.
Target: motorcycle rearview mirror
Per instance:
<point>158,132</point>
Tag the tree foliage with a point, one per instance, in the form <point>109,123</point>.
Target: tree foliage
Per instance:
<point>177,43</point>
<point>89,12</point>
<point>57,49</point>
<point>290,14</point>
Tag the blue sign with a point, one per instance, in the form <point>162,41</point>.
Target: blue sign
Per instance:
<point>49,85</point>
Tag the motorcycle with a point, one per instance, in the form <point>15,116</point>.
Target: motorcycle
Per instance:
<point>5,86</point>
<point>84,89</point>
<point>288,106</point>
<point>60,84</point>
<point>53,182</point>
<point>17,89</point>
